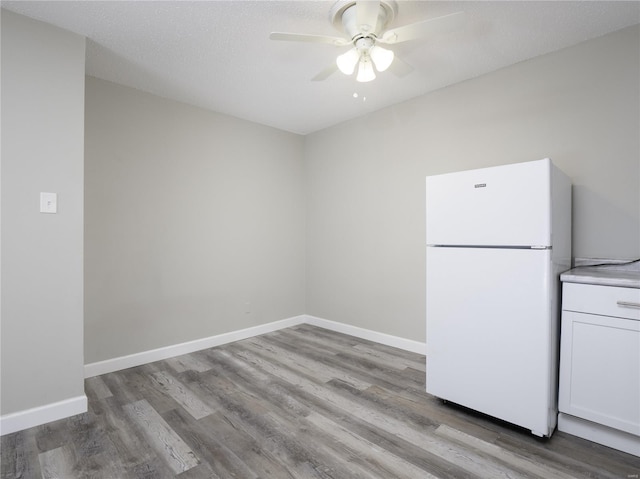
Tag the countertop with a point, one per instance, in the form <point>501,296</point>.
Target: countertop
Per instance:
<point>624,275</point>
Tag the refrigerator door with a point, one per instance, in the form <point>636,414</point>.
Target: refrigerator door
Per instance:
<point>489,333</point>
<point>500,206</point>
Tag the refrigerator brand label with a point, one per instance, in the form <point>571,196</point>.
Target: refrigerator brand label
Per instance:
<point>480,185</point>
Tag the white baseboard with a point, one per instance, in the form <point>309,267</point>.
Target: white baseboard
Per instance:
<point>623,441</point>
<point>144,357</point>
<point>36,416</point>
<point>382,338</point>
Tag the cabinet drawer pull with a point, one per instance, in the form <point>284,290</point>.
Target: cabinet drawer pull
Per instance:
<point>628,304</point>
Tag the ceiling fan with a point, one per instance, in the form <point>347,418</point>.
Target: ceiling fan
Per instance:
<point>363,22</point>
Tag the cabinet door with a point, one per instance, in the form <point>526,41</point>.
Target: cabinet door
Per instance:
<point>600,370</point>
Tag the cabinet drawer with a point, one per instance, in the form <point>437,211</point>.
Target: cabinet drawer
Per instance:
<point>603,300</point>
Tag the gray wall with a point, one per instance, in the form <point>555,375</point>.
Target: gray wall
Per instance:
<point>198,224</point>
<point>42,150</point>
<point>365,178</point>
<point>194,223</point>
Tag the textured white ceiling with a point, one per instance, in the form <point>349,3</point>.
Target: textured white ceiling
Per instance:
<point>217,54</point>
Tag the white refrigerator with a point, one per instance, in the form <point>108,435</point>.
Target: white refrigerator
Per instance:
<point>497,240</point>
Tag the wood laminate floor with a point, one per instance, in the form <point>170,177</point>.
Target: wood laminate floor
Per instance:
<point>302,402</point>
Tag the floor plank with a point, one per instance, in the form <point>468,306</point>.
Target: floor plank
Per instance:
<point>174,388</point>
<point>164,440</point>
<point>303,402</point>
<point>57,463</point>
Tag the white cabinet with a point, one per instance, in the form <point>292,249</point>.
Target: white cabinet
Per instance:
<point>600,365</point>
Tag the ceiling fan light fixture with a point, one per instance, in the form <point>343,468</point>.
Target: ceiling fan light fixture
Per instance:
<point>382,58</point>
<point>365,70</point>
<point>347,61</point>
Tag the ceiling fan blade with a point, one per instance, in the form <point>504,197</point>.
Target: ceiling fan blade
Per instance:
<point>303,37</point>
<point>367,15</point>
<point>432,26</point>
<point>326,73</point>
<point>400,68</point>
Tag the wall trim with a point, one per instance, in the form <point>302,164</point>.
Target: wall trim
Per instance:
<point>616,439</point>
<point>144,357</point>
<point>362,333</point>
<point>36,416</point>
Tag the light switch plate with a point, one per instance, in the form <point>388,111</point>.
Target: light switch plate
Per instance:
<point>48,202</point>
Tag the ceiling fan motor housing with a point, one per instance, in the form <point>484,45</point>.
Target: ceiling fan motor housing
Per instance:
<point>344,18</point>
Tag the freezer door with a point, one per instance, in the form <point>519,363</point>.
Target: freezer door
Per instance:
<point>490,333</point>
<point>504,205</point>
